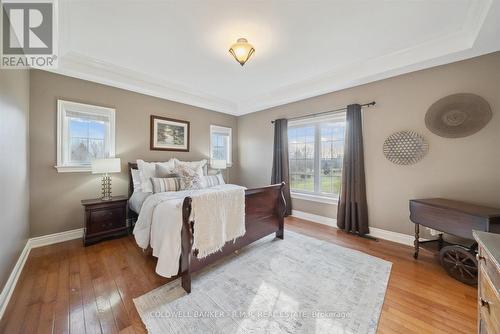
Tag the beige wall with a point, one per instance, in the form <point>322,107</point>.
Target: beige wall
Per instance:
<point>14,198</point>
<point>464,169</point>
<point>55,197</point>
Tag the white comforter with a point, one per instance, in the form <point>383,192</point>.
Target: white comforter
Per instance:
<point>160,223</point>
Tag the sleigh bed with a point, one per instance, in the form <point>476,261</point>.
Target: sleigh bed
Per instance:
<point>264,214</point>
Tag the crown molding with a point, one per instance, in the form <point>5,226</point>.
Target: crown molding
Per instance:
<point>438,51</point>
<point>441,50</point>
<point>87,68</point>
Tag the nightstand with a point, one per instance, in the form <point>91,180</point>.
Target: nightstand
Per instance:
<point>105,219</point>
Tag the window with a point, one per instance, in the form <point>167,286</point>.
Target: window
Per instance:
<point>316,150</point>
<point>221,143</point>
<point>84,132</point>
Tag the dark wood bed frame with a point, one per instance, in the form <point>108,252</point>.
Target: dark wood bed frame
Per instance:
<point>264,214</point>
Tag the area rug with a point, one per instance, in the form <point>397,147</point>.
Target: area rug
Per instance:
<point>296,285</point>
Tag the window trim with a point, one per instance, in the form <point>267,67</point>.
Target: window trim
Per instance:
<point>221,128</point>
<point>316,122</point>
<point>62,131</point>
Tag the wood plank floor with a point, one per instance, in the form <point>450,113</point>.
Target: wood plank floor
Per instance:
<point>68,288</point>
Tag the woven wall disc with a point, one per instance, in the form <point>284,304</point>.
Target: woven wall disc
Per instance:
<point>458,115</point>
<point>405,148</point>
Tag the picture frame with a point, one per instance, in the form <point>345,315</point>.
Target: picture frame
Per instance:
<point>169,134</point>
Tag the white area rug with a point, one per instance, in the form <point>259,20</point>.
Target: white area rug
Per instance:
<point>296,285</point>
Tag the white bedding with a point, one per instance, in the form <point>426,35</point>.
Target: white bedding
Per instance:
<point>159,225</point>
<point>136,200</point>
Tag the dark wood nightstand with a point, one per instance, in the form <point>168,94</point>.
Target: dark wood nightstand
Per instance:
<point>105,219</point>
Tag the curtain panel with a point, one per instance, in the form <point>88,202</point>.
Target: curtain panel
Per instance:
<point>352,214</point>
<point>280,172</point>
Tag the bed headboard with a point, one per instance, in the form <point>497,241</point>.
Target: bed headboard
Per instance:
<point>131,165</point>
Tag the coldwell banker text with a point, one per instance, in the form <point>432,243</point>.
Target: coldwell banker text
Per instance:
<point>29,34</point>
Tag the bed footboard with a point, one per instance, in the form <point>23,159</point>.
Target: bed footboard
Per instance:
<point>264,215</point>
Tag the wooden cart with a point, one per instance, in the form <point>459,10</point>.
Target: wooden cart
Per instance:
<point>458,219</point>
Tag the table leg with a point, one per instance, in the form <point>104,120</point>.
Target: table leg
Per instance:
<point>416,242</point>
<point>440,241</point>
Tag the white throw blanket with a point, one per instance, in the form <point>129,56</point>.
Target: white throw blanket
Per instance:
<point>221,215</point>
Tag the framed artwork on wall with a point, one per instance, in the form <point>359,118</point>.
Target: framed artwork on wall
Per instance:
<point>169,134</point>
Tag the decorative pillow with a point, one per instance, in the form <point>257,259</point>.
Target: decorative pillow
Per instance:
<point>148,170</point>
<point>198,166</point>
<point>164,171</point>
<point>190,178</point>
<point>136,179</point>
<point>163,184</point>
<point>212,180</point>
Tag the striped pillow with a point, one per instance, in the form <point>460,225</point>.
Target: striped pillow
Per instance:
<point>163,184</point>
<point>212,180</point>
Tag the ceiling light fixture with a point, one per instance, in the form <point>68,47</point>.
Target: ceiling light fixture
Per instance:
<point>242,50</point>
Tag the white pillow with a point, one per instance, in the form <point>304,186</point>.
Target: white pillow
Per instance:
<point>197,166</point>
<point>136,179</point>
<point>148,170</point>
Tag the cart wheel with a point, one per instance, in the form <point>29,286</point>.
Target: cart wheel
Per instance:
<point>459,263</point>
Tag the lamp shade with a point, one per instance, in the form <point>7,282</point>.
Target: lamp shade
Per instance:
<point>218,164</point>
<point>103,166</point>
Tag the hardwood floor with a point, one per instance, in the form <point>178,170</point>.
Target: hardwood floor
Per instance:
<point>70,288</point>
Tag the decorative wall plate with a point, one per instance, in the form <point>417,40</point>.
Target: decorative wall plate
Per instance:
<point>405,148</point>
<point>458,115</point>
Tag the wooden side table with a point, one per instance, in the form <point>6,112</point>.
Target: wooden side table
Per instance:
<point>489,282</point>
<point>105,219</point>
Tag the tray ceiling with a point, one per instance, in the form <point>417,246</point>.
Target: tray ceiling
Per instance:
<point>178,50</point>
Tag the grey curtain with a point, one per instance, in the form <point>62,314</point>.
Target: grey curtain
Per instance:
<point>280,172</point>
<point>352,214</point>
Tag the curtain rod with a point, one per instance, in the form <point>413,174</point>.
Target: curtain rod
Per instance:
<point>367,105</point>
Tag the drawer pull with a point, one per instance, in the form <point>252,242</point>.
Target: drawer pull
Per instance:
<point>479,257</point>
<point>485,303</point>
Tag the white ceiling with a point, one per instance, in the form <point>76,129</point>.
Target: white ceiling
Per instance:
<point>178,49</point>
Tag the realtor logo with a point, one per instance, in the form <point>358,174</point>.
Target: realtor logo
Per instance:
<point>29,34</point>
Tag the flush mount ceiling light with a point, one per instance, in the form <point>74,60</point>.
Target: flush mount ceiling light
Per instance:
<point>241,50</point>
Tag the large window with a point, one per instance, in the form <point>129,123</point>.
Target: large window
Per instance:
<point>220,143</point>
<point>316,150</point>
<point>84,132</point>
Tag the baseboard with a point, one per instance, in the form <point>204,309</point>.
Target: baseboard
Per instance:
<point>315,218</point>
<point>55,238</point>
<point>8,289</point>
<point>400,238</point>
<point>44,240</point>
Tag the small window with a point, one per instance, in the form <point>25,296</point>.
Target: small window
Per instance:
<point>316,151</point>
<point>84,133</point>
<point>221,143</point>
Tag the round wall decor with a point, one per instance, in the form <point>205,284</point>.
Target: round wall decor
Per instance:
<point>405,147</point>
<point>458,115</point>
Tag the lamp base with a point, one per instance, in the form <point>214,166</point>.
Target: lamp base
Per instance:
<point>106,188</point>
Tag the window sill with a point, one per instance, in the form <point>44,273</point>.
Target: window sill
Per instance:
<point>73,169</point>
<point>315,198</point>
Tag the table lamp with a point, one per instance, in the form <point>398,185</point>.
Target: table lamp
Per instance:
<point>218,164</point>
<point>105,167</point>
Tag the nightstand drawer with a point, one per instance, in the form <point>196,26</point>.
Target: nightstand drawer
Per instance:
<point>489,304</point>
<point>105,220</point>
<point>489,267</point>
<point>107,214</point>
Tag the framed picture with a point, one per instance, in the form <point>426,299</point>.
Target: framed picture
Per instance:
<point>169,134</point>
